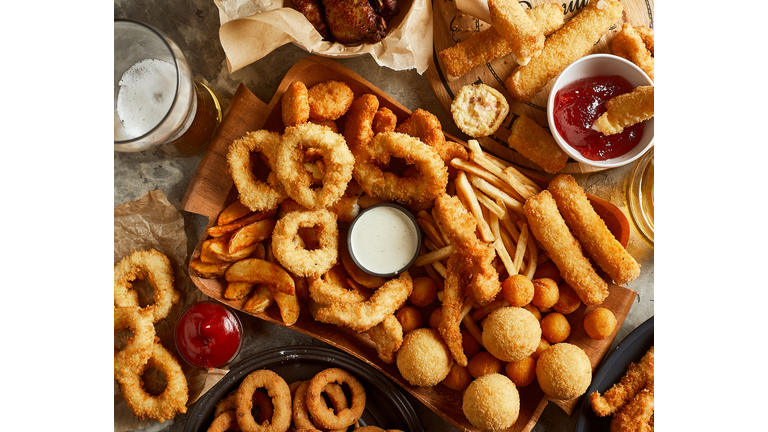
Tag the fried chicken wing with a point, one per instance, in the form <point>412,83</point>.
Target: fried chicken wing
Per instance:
<point>313,11</point>
<point>353,21</point>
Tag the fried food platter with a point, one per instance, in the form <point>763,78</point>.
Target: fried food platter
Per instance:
<point>386,405</point>
<point>211,190</point>
<point>451,26</point>
<point>630,349</point>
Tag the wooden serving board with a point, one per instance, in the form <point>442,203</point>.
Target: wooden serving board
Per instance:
<point>211,189</point>
<point>452,26</point>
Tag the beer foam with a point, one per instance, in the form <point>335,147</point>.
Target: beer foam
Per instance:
<point>146,94</point>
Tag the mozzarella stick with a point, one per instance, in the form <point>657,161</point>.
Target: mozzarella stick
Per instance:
<point>524,37</point>
<point>635,45</point>
<point>536,144</point>
<point>591,231</point>
<point>626,110</point>
<point>575,39</point>
<point>550,230</point>
<point>488,45</point>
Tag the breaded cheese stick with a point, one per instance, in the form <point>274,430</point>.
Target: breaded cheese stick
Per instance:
<point>633,45</point>
<point>550,230</point>
<point>488,45</point>
<point>626,110</point>
<point>536,144</point>
<point>591,231</point>
<point>565,46</point>
<point>525,39</point>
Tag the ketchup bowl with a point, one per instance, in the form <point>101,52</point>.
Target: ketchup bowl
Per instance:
<point>613,69</point>
<point>208,335</point>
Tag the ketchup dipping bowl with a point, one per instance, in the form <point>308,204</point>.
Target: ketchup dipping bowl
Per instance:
<point>593,66</point>
<point>208,335</point>
<point>384,240</point>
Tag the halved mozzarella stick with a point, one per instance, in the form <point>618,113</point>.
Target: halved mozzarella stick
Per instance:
<point>525,39</point>
<point>591,230</point>
<point>575,39</point>
<point>626,110</point>
<point>550,230</point>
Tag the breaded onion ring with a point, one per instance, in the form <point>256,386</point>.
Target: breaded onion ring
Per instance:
<point>253,193</point>
<point>297,181</point>
<point>153,266</point>
<point>164,406</point>
<point>364,315</point>
<point>137,351</point>
<point>281,400</point>
<point>322,414</point>
<point>224,422</point>
<point>406,190</point>
<point>358,125</point>
<point>301,417</point>
<point>289,249</point>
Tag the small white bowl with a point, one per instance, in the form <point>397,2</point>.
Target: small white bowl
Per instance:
<point>601,65</point>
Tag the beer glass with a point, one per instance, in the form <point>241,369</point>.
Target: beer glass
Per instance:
<point>157,102</point>
<point>640,195</point>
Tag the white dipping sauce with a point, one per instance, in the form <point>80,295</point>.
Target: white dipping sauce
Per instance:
<point>383,240</point>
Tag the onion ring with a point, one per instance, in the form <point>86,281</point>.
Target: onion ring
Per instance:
<point>364,315</point>
<point>153,266</point>
<point>137,351</point>
<point>297,181</point>
<point>226,421</point>
<point>301,418</point>
<point>281,400</point>
<point>165,406</point>
<point>289,250</point>
<point>322,414</point>
<point>252,192</point>
<point>418,190</point>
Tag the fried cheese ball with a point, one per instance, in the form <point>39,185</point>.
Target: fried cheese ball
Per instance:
<point>483,363</point>
<point>521,372</point>
<point>479,110</point>
<point>424,291</point>
<point>458,378</point>
<point>511,333</point>
<point>424,359</point>
<point>545,293</point>
<point>534,310</point>
<point>564,371</point>
<point>548,269</point>
<point>410,318</point>
<point>470,345</point>
<point>568,301</point>
<point>517,290</point>
<point>555,327</point>
<point>435,317</point>
<point>491,402</point>
<point>599,323</point>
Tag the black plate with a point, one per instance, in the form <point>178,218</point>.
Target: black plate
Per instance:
<point>630,350</point>
<point>386,406</point>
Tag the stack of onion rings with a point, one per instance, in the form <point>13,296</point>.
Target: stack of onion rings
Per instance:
<point>321,413</point>
<point>417,191</point>
<point>142,351</point>
<point>297,181</point>
<point>290,251</point>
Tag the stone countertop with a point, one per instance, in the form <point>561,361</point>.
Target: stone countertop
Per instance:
<point>194,25</point>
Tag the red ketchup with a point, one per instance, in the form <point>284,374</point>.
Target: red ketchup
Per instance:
<point>579,104</point>
<point>208,335</point>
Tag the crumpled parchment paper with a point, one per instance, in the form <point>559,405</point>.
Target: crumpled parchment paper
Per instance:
<point>152,222</point>
<point>251,29</point>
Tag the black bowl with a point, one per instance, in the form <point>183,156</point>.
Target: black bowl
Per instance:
<point>630,350</point>
<point>386,406</point>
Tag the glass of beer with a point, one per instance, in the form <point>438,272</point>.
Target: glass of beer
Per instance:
<point>640,195</point>
<point>157,102</point>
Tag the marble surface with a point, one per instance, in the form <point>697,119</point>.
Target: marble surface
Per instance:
<point>193,25</point>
